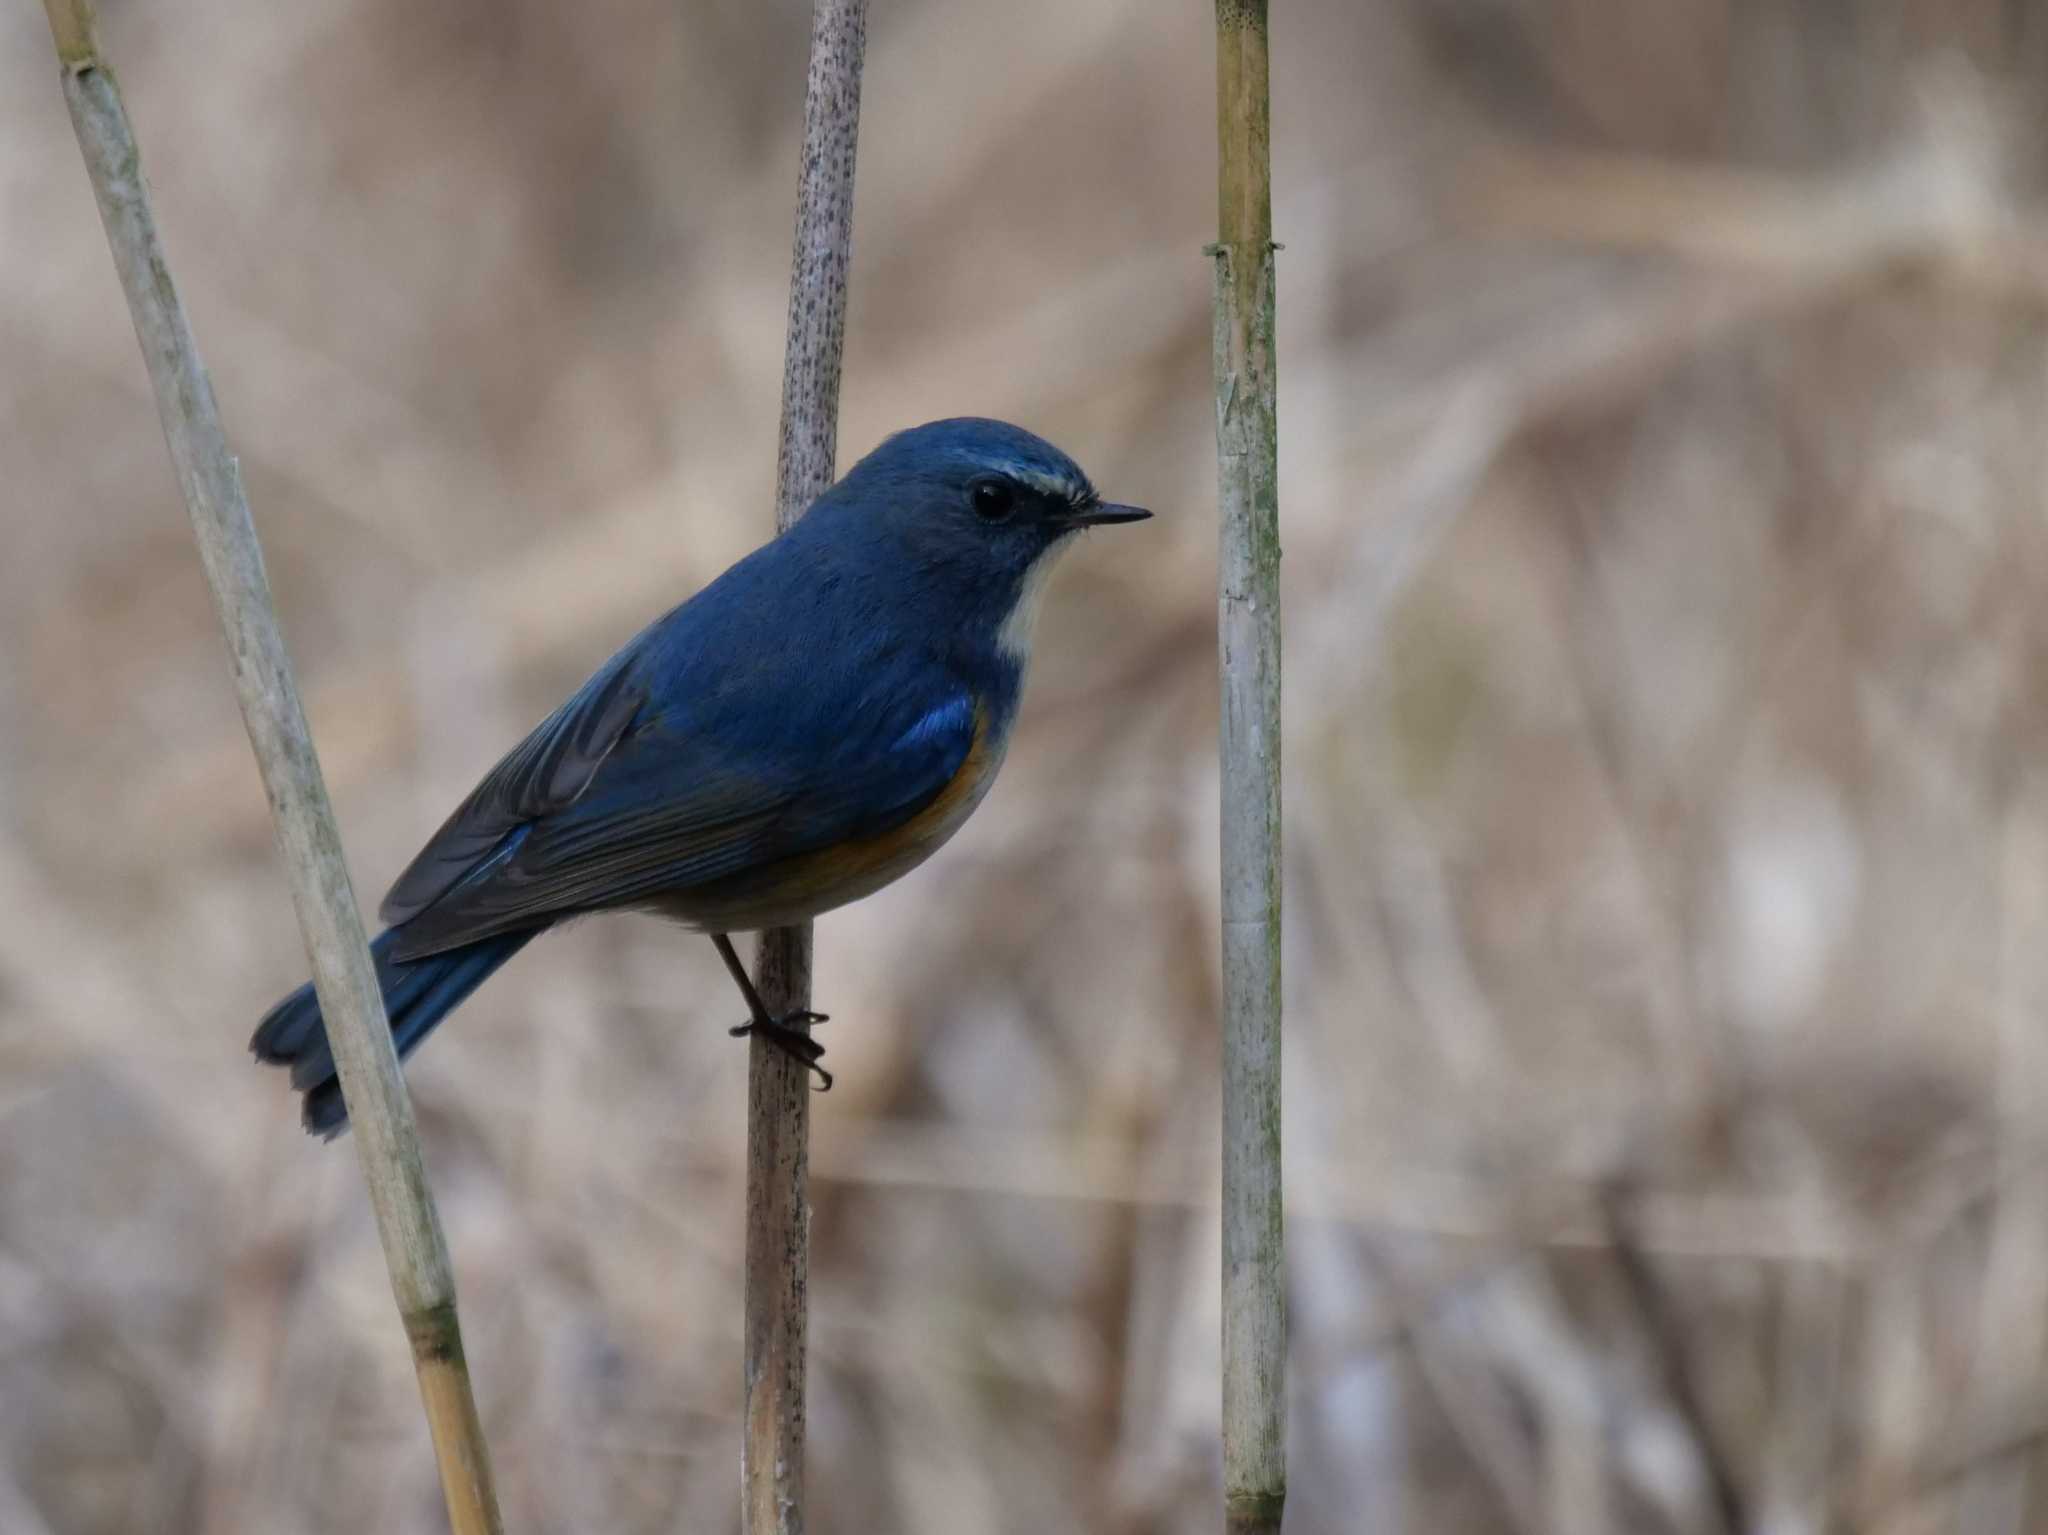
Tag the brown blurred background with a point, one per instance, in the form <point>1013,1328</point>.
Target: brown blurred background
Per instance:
<point>1665,485</point>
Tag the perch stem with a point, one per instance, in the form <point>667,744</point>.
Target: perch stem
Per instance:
<point>778,1087</point>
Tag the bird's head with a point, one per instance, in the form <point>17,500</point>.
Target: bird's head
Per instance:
<point>981,508</point>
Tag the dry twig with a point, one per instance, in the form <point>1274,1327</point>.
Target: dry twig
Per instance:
<point>385,1136</point>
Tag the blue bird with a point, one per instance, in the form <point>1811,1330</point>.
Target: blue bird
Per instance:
<point>807,728</point>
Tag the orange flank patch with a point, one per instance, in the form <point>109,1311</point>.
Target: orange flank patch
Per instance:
<point>796,889</point>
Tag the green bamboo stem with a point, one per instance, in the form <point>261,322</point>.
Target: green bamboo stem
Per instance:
<point>1248,624</point>
<point>385,1137</point>
<point>778,1090</point>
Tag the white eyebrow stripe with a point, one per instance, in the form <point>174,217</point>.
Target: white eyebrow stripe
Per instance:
<point>1051,484</point>
<point>1044,481</point>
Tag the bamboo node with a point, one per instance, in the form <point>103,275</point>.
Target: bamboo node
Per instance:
<point>435,1334</point>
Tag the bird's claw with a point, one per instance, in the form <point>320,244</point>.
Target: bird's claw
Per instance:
<point>798,1046</point>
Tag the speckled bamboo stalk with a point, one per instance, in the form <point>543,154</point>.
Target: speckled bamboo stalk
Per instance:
<point>778,1090</point>
<point>333,931</point>
<point>1248,623</point>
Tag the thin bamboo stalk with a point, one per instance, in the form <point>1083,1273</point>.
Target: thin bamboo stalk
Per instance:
<point>211,481</point>
<point>778,1090</point>
<point>1248,633</point>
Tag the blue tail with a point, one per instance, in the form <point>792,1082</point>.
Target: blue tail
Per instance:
<point>418,994</point>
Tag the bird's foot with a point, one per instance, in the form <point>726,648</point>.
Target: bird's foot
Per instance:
<point>794,1043</point>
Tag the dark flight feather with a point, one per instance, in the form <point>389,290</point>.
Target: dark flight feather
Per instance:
<point>542,774</point>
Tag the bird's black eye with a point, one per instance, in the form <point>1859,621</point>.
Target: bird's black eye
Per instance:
<point>993,500</point>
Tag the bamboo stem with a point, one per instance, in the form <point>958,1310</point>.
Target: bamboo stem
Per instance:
<point>210,479</point>
<point>778,1090</point>
<point>1248,623</point>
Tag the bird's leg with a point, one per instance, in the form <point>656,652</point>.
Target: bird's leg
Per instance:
<point>798,1046</point>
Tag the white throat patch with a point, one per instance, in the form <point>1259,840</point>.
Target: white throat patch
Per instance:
<point>1014,638</point>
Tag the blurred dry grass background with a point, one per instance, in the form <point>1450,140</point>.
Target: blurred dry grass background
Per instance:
<point>1665,461</point>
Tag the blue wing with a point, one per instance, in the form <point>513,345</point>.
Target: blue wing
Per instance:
<point>716,742</point>
<point>663,814</point>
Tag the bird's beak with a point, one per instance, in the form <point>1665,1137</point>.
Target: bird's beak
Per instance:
<point>1106,512</point>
